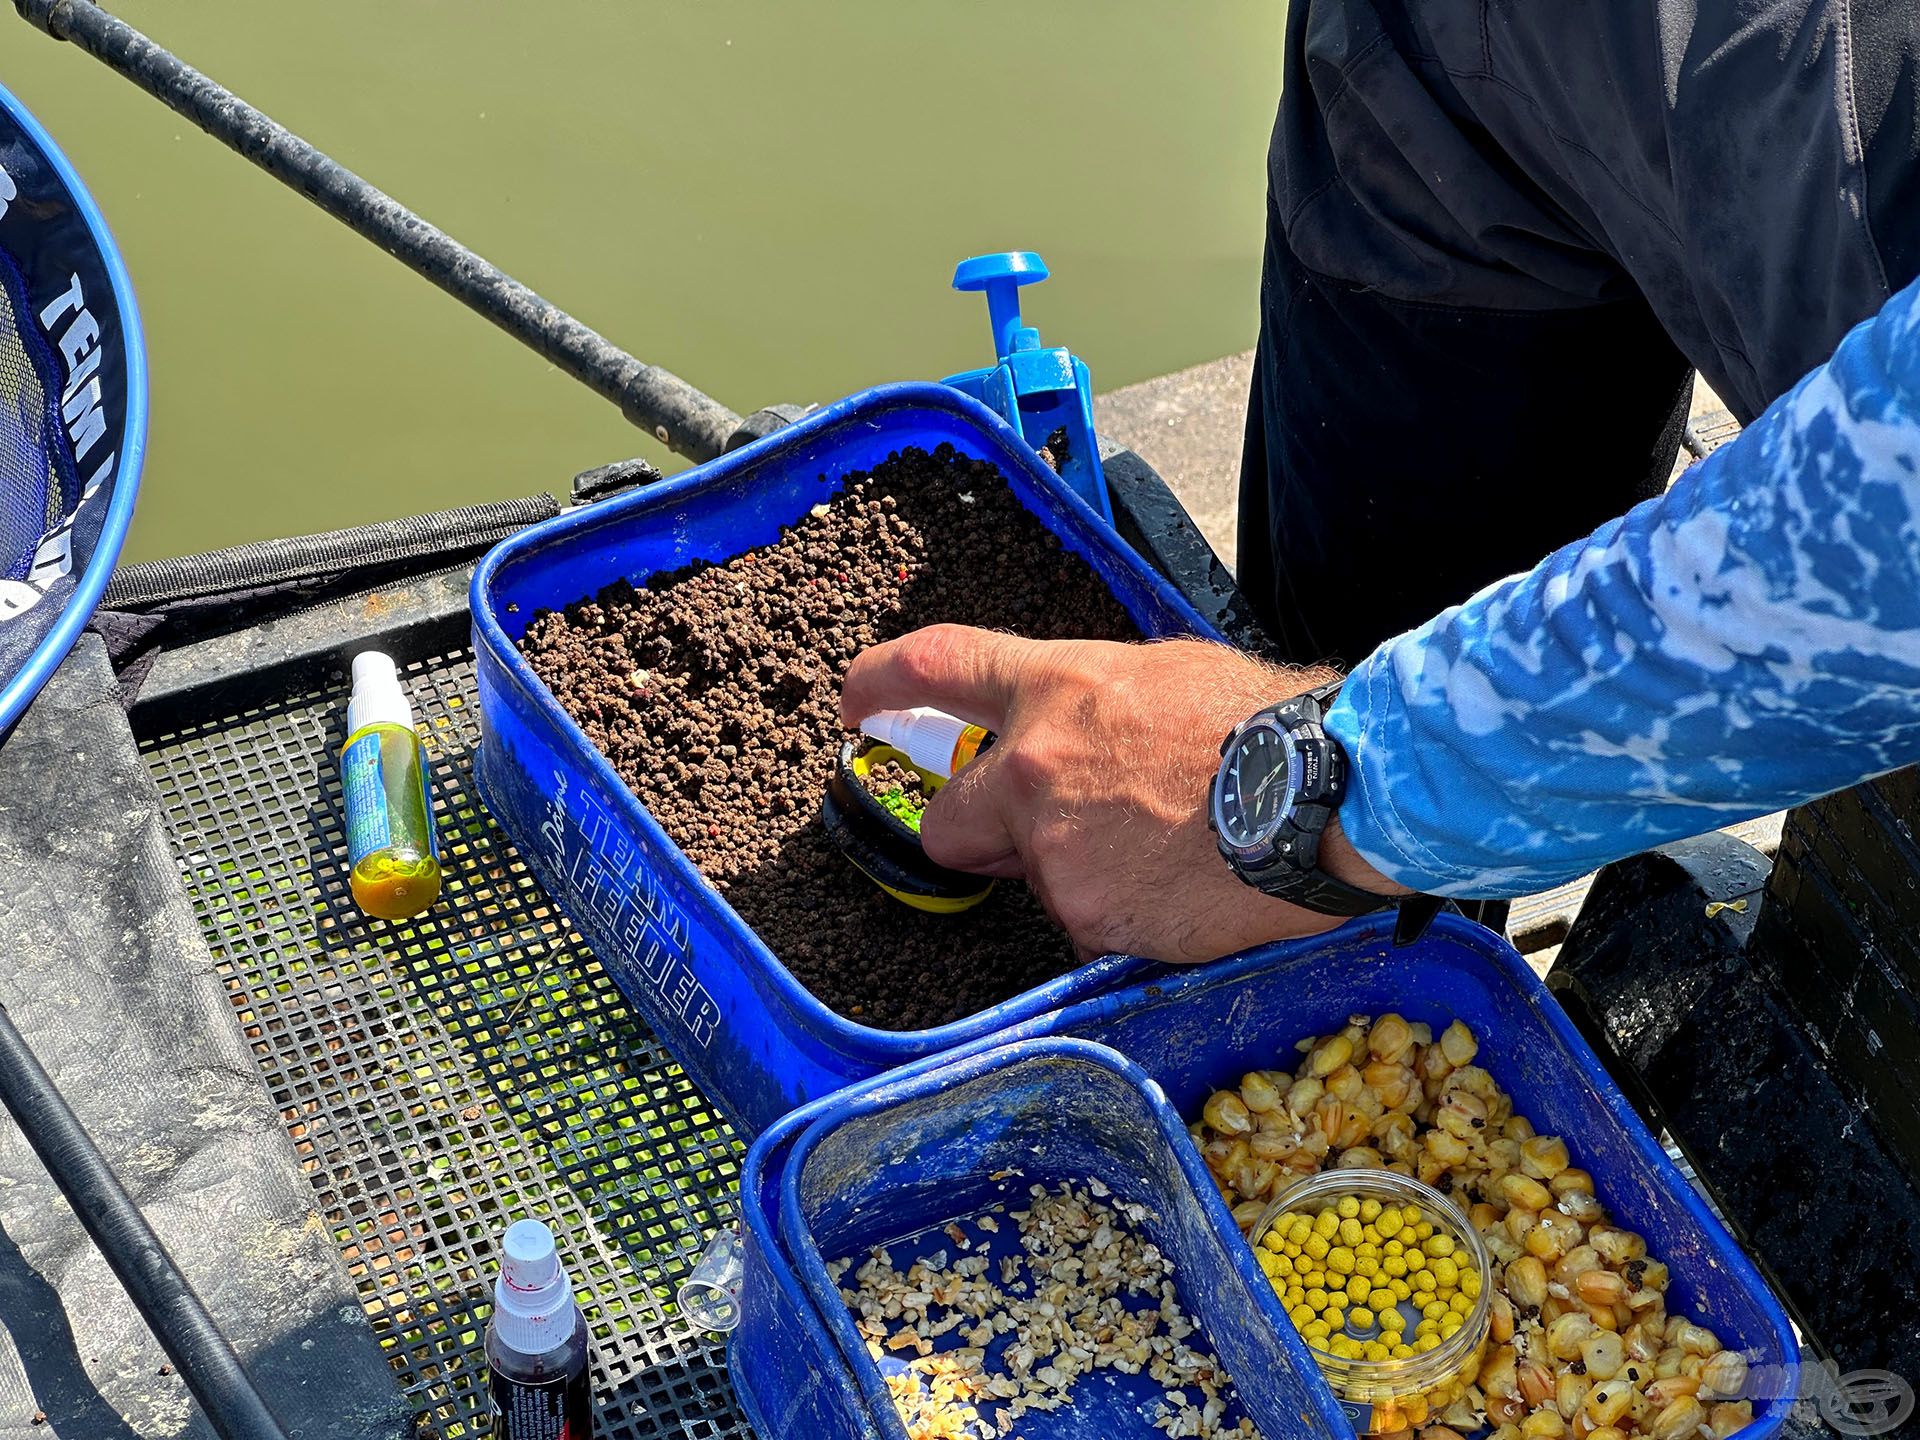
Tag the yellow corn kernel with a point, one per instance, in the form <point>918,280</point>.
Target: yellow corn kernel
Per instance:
<point>1458,1045</point>
<point>1567,1334</point>
<point>1543,1156</point>
<point>1694,1339</point>
<point>1678,1421</point>
<point>1600,1287</point>
<point>1500,1320</point>
<point>1260,1091</point>
<point>1525,1193</point>
<point>1662,1393</point>
<point>1726,1418</point>
<point>1328,1056</point>
<point>1390,1038</point>
<point>1607,1401</point>
<point>1604,1354</point>
<point>1460,1114</point>
<point>1616,1247</point>
<point>1725,1374</point>
<point>1227,1113</point>
<point>1527,1282</point>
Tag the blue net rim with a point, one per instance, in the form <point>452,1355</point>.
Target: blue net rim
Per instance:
<point>91,584</point>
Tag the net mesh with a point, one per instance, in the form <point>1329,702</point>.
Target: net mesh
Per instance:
<point>31,445</point>
<point>443,1077</point>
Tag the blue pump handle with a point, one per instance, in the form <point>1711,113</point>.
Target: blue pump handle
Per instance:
<point>1037,389</point>
<point>1001,276</point>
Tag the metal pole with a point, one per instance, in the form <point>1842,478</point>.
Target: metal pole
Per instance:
<point>173,1311</point>
<point>680,417</point>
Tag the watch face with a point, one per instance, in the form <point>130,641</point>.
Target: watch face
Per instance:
<point>1256,787</point>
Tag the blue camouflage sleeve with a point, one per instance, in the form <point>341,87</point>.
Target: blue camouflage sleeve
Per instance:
<point>1747,641</point>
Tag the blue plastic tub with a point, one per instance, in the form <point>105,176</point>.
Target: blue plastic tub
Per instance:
<point>1202,1029</point>
<point>888,1162</point>
<point>752,1037</point>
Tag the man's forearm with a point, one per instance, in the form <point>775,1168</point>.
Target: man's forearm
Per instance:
<point>1748,641</point>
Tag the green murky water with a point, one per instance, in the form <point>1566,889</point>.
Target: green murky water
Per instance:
<point>767,198</point>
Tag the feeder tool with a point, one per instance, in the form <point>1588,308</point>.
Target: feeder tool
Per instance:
<point>882,840</point>
<point>1044,392</point>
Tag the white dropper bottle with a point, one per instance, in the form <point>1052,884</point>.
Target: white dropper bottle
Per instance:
<point>932,739</point>
<point>536,1343</point>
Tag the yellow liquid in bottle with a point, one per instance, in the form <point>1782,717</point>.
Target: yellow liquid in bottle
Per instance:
<point>391,845</point>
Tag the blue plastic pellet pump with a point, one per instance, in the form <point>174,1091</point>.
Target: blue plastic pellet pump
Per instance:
<point>1038,390</point>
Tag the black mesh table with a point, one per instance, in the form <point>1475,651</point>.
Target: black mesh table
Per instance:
<point>442,1077</point>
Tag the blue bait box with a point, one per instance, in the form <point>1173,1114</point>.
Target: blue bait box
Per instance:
<point>890,1162</point>
<point>1200,1030</point>
<point>741,1025</point>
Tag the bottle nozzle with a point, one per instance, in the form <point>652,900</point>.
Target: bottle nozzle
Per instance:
<point>377,697</point>
<point>533,1305</point>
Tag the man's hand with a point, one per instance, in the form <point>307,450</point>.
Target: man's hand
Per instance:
<point>1095,791</point>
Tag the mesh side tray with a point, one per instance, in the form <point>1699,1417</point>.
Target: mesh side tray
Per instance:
<point>442,1077</point>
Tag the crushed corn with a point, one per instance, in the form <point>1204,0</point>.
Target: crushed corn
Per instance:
<point>1060,1301</point>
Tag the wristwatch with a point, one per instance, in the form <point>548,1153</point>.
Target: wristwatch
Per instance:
<point>1281,779</point>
